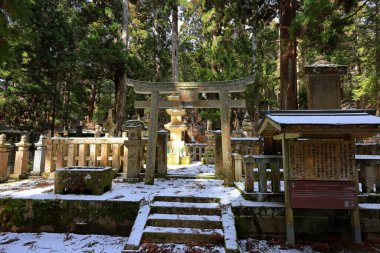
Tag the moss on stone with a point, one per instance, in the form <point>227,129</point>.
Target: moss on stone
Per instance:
<point>64,216</point>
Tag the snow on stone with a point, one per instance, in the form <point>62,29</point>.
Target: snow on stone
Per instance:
<point>367,157</point>
<point>369,206</point>
<point>161,216</point>
<point>228,221</point>
<point>185,205</point>
<point>173,230</point>
<point>137,231</point>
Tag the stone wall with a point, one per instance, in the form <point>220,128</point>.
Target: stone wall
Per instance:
<point>68,216</point>
<point>269,222</point>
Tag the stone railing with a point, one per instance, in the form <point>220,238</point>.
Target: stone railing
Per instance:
<point>68,152</point>
<point>54,153</point>
<point>242,146</point>
<point>246,145</point>
<point>196,150</point>
<point>367,148</point>
<point>260,169</point>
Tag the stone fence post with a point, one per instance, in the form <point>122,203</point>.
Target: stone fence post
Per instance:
<point>249,163</point>
<point>22,158</point>
<point>132,154</point>
<point>4,153</point>
<point>39,157</point>
<point>238,166</point>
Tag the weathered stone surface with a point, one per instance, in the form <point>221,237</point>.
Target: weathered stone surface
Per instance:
<point>161,152</point>
<point>209,155</point>
<point>218,154</point>
<point>324,91</point>
<point>83,180</point>
<point>132,159</point>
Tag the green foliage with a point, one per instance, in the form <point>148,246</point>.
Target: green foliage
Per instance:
<point>64,55</point>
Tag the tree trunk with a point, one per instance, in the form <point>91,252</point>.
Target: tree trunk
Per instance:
<point>377,45</point>
<point>52,129</point>
<point>121,76</point>
<point>91,101</point>
<point>175,71</point>
<point>288,56</point>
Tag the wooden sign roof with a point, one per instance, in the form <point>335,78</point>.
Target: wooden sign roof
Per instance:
<point>355,123</point>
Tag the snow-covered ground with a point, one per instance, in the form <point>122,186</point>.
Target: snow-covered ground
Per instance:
<point>121,191</point>
<point>59,243</point>
<point>193,169</point>
<point>64,243</point>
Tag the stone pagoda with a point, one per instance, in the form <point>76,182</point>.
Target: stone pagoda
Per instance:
<point>177,150</point>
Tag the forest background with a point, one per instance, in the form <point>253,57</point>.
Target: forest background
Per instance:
<point>62,61</point>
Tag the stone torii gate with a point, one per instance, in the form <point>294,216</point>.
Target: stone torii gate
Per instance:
<point>188,98</point>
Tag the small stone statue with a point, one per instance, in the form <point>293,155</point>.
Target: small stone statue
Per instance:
<point>237,124</point>
<point>247,125</point>
<point>109,126</point>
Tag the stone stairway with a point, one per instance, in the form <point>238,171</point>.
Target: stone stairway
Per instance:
<point>181,220</point>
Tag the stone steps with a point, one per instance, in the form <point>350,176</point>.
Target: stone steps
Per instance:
<point>183,235</point>
<point>184,219</point>
<point>185,208</point>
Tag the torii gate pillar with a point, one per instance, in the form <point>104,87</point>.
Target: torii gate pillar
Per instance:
<point>225,113</point>
<point>152,139</point>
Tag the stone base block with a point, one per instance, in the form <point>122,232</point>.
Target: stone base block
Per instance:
<point>209,159</point>
<point>3,179</point>
<point>35,173</point>
<point>18,176</point>
<point>185,160</point>
<point>48,175</point>
<point>129,180</point>
<point>83,180</point>
<point>173,159</point>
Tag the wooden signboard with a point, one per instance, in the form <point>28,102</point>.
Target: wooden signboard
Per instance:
<point>322,174</point>
<point>326,160</point>
<point>322,194</point>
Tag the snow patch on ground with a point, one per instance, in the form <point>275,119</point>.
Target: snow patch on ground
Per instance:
<point>53,242</point>
<point>252,245</point>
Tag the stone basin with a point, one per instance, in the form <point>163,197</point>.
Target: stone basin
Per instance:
<point>83,180</point>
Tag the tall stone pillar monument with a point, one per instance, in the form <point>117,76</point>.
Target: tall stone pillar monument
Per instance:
<point>324,86</point>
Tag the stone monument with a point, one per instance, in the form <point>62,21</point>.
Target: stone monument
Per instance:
<point>209,155</point>
<point>324,85</point>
